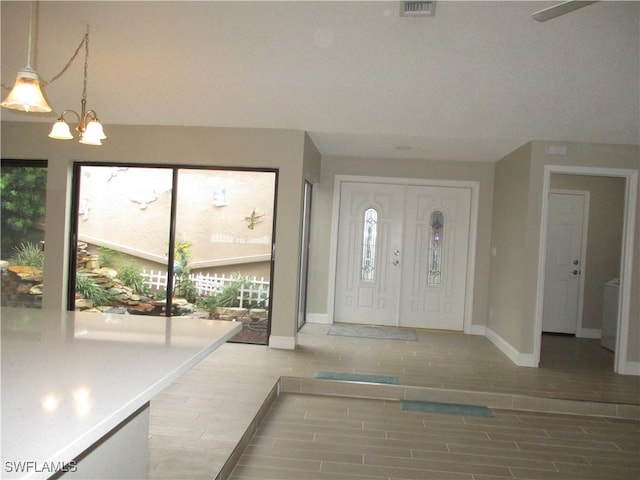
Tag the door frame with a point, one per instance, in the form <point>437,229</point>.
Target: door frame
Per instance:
<point>473,227</point>
<point>586,195</point>
<point>621,365</point>
<point>305,239</point>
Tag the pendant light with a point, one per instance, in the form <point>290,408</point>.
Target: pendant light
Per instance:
<point>26,94</point>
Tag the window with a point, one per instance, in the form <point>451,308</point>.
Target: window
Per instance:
<point>436,234</point>
<point>369,234</point>
<point>23,186</point>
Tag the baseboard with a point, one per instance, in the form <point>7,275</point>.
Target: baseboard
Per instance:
<point>286,343</point>
<point>477,330</point>
<point>318,318</point>
<point>589,333</point>
<point>630,368</point>
<point>520,359</point>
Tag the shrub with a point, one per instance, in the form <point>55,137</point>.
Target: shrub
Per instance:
<point>107,256</point>
<point>22,203</point>
<point>131,276</point>
<point>187,288</point>
<point>91,291</point>
<point>28,254</point>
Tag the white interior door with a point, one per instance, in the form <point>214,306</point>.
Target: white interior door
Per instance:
<point>367,281</point>
<point>563,265</point>
<point>400,271</point>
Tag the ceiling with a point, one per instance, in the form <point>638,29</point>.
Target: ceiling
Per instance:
<point>472,83</point>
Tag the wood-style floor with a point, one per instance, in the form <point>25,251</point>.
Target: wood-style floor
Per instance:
<point>197,422</point>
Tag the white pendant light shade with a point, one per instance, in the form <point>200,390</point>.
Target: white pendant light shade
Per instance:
<point>60,131</point>
<point>26,94</point>
<point>93,133</point>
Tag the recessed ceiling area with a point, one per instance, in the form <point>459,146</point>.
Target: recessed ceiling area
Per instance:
<point>473,82</point>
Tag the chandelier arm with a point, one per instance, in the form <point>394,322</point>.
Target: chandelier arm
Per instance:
<point>64,112</point>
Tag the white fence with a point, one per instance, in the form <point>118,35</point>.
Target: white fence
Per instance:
<point>254,292</point>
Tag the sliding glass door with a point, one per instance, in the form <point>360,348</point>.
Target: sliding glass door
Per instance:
<point>175,241</point>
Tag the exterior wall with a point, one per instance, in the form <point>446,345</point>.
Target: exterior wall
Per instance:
<point>218,234</point>
<point>604,238</point>
<point>320,255</point>
<point>223,147</point>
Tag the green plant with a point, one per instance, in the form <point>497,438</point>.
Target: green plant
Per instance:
<point>89,290</point>
<point>183,254</point>
<point>107,256</point>
<point>131,276</point>
<point>29,254</point>
<point>208,303</point>
<point>22,202</point>
<point>228,297</point>
<point>188,289</point>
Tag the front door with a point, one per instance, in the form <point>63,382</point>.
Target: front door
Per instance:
<point>369,235</point>
<point>402,255</point>
<point>563,265</point>
<point>435,267</point>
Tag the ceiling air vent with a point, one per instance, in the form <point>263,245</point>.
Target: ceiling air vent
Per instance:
<point>417,9</point>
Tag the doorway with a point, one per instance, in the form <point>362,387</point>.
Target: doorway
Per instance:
<point>622,262</point>
<point>402,254</point>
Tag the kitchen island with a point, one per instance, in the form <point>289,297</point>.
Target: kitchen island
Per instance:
<point>76,387</point>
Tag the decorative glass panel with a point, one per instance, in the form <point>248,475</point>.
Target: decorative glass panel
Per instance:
<point>436,233</point>
<point>369,234</point>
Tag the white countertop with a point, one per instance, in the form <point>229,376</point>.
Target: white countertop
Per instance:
<point>69,378</point>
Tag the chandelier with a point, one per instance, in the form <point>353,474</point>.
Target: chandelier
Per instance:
<point>88,126</point>
<point>26,95</point>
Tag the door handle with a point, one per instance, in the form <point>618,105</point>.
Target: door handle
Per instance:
<point>576,272</point>
<point>396,262</point>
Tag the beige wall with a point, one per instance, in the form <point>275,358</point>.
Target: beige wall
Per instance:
<point>524,168</point>
<point>600,156</point>
<point>604,237</point>
<point>219,235</point>
<point>508,273</point>
<point>319,261</point>
<point>280,149</point>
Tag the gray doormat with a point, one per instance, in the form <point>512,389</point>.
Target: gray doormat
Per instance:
<point>365,331</point>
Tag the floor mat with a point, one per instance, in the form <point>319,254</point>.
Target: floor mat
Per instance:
<point>447,408</point>
<point>367,331</point>
<point>357,377</point>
